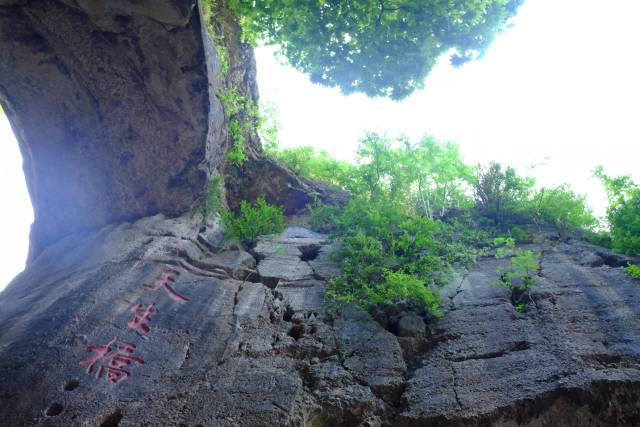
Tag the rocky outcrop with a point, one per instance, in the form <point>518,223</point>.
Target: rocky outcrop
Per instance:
<point>265,177</point>
<point>148,324</point>
<point>112,107</point>
<point>576,347</point>
<point>115,107</point>
<point>258,176</point>
<point>124,317</point>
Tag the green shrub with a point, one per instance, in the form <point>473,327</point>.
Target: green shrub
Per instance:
<point>259,219</point>
<point>504,246</point>
<point>521,275</point>
<point>400,287</point>
<point>323,217</point>
<point>213,201</point>
<point>393,249</point>
<point>308,162</point>
<point>623,212</point>
<point>428,176</point>
<point>519,234</point>
<point>599,238</point>
<point>633,271</point>
<point>268,127</point>
<point>501,194</point>
<point>392,256</point>
<point>243,118</point>
<point>561,208</point>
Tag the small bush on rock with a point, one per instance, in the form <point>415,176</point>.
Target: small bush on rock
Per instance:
<point>561,208</point>
<point>521,275</point>
<point>623,212</point>
<point>501,194</point>
<point>633,271</point>
<point>254,220</point>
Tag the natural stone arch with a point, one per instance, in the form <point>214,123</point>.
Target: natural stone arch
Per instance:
<point>113,106</point>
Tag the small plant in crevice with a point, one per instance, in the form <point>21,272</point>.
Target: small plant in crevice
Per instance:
<point>519,234</point>
<point>633,271</point>
<point>221,51</point>
<point>208,9</point>
<point>213,202</point>
<point>504,246</point>
<point>243,117</point>
<point>254,220</point>
<point>521,275</point>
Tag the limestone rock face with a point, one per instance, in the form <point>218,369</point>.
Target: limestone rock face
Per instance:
<point>112,107</point>
<point>130,313</point>
<point>146,324</point>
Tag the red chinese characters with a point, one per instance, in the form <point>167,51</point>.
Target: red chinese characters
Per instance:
<point>142,317</point>
<point>167,276</point>
<point>114,358</point>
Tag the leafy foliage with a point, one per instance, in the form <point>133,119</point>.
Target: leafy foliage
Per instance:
<point>562,208</point>
<point>599,238</point>
<point>392,251</point>
<point>623,212</point>
<point>427,176</point>
<point>521,275</point>
<point>506,198</point>
<point>410,220</point>
<point>519,234</point>
<point>633,271</point>
<point>259,219</point>
<point>268,126</point>
<point>243,117</point>
<point>392,256</point>
<point>217,38</point>
<point>501,194</point>
<point>381,48</point>
<point>213,201</point>
<point>504,246</point>
<point>306,161</point>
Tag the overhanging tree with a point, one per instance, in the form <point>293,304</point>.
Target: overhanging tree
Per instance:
<point>379,47</point>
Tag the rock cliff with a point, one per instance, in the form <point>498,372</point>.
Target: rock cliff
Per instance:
<point>131,312</point>
<point>143,324</point>
<point>111,105</point>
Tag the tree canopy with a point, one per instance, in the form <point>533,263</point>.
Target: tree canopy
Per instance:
<point>379,47</point>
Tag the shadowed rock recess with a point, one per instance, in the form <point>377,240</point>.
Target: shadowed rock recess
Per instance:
<point>110,104</point>
<point>131,313</point>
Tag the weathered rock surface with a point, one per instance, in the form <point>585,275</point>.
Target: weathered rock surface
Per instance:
<point>112,107</point>
<point>578,343</point>
<point>264,177</point>
<point>115,107</point>
<point>258,351</point>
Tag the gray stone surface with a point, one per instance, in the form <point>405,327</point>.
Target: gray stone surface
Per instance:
<point>285,267</point>
<point>111,107</point>
<point>549,366</point>
<point>323,265</point>
<point>246,353</point>
<point>284,256</point>
<point>411,325</point>
<point>592,260</point>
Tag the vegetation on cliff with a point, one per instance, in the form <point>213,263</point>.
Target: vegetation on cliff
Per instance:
<point>418,212</point>
<point>623,213</point>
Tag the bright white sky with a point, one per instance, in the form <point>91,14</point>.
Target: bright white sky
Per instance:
<point>562,85</point>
